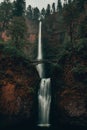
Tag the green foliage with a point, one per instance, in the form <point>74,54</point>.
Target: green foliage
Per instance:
<point>29,12</point>
<point>81,45</point>
<point>17,30</point>
<point>70,16</point>
<point>36,13</point>
<point>81,48</point>
<point>32,13</point>
<point>80,4</point>
<point>59,6</point>
<point>82,29</point>
<point>53,7</point>
<point>10,50</point>
<point>48,10</point>
<point>80,72</point>
<point>43,12</point>
<point>5,14</point>
<point>19,8</point>
<point>79,69</point>
<point>69,1</point>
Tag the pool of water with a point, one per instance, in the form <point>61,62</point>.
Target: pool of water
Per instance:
<point>27,126</point>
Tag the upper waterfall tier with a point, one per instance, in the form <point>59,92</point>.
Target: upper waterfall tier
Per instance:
<point>41,18</point>
<point>40,53</point>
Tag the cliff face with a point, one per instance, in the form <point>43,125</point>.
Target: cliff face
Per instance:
<point>70,93</point>
<point>69,80</point>
<point>18,88</point>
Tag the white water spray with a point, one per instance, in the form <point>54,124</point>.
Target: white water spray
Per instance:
<point>44,94</point>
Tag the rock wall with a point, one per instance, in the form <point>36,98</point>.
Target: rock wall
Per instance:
<point>70,94</point>
<point>19,82</point>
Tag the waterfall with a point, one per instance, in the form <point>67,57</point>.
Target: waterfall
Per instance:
<point>44,94</point>
<point>40,53</point>
<point>44,98</point>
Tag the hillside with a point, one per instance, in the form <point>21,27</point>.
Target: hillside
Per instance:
<point>18,87</point>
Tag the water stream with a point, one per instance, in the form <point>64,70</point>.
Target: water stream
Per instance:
<point>44,94</point>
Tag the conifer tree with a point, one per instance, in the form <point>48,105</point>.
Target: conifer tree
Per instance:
<point>19,8</point>
<point>70,15</point>
<point>69,1</point>
<point>53,7</point>
<point>29,12</point>
<point>59,6</point>
<point>48,10</point>
<point>36,13</point>
<point>43,12</point>
<point>5,14</point>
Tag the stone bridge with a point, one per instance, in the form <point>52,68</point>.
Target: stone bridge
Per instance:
<point>43,61</point>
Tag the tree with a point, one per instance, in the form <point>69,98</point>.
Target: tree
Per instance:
<point>59,6</point>
<point>48,10</point>
<point>43,12</point>
<point>53,7</point>
<point>36,13</point>
<point>5,15</point>
<point>82,30</point>
<point>80,4</point>
<point>17,30</point>
<point>70,16</point>
<point>65,3</point>
<point>69,1</point>
<point>19,8</point>
<point>29,12</point>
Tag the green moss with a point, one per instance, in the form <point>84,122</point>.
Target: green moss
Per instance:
<point>80,73</point>
<point>79,69</point>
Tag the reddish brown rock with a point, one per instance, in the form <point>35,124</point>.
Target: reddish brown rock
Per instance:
<point>19,82</point>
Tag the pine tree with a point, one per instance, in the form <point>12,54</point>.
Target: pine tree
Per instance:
<point>48,10</point>
<point>29,12</point>
<point>59,6</point>
<point>65,3</point>
<point>36,13</point>
<point>43,12</point>
<point>80,4</point>
<point>53,7</point>
<point>69,1</point>
<point>70,15</point>
<point>5,14</point>
<point>19,8</point>
<point>17,31</point>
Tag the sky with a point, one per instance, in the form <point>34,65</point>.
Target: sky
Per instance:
<point>39,3</point>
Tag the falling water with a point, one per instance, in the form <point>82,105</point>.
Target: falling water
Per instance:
<point>40,52</point>
<point>44,94</point>
<point>44,99</point>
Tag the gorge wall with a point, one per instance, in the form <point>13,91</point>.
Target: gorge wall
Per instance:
<point>19,83</point>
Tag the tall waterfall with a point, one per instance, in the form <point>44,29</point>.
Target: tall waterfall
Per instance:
<point>40,54</point>
<point>44,94</point>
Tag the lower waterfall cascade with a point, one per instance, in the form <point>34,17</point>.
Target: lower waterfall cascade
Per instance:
<point>44,99</point>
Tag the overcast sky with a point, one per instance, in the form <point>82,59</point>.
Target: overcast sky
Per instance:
<point>39,3</point>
